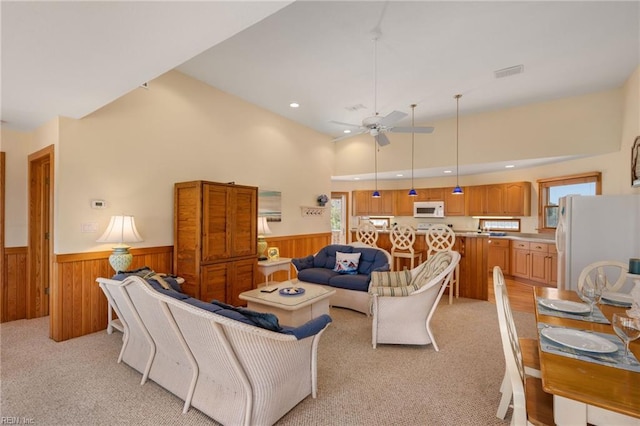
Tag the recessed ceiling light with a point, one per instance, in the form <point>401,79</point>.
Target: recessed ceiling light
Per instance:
<point>509,166</point>
<point>447,171</point>
<point>356,178</point>
<point>399,175</point>
<point>347,131</point>
<point>294,105</point>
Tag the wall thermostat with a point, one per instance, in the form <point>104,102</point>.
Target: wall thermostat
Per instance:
<point>98,204</point>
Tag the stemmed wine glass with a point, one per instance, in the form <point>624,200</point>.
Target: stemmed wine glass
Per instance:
<point>591,292</point>
<point>627,329</point>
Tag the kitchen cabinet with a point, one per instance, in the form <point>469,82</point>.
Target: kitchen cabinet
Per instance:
<point>454,203</point>
<point>365,205</point>
<point>499,255</point>
<point>504,199</point>
<point>534,261</point>
<point>403,203</point>
<point>215,239</point>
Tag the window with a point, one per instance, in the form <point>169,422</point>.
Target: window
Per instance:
<point>551,190</point>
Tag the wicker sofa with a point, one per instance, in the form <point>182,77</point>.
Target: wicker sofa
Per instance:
<point>351,289</point>
<point>212,356</point>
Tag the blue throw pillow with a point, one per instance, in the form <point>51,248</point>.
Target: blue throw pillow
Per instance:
<point>303,262</point>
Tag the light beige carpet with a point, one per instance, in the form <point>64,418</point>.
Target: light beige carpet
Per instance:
<point>78,382</point>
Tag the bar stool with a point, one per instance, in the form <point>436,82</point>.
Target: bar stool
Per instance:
<point>367,234</point>
<point>402,239</point>
<point>442,238</point>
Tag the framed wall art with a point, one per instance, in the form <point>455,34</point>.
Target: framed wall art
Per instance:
<point>273,253</point>
<point>635,164</point>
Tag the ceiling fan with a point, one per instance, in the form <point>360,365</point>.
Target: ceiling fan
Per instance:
<point>378,125</point>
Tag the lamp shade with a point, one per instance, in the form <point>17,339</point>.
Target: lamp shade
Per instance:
<point>263,226</point>
<point>121,229</point>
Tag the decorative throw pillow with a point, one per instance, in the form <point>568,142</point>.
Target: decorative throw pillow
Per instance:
<point>391,278</point>
<point>347,263</point>
<point>303,262</point>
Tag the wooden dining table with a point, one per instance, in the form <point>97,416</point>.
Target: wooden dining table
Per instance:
<point>586,391</point>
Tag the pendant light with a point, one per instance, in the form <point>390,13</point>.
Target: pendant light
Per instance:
<point>376,193</point>
<point>412,191</point>
<point>457,190</point>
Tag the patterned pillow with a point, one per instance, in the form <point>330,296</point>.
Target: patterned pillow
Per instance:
<point>347,263</point>
<point>391,279</point>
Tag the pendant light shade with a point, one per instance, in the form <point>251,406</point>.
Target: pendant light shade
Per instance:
<point>412,191</point>
<point>457,190</point>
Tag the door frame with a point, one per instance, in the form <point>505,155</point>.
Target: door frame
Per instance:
<point>345,196</point>
<point>2,215</point>
<point>41,163</point>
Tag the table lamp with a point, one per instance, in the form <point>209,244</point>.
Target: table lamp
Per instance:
<point>263,229</point>
<point>121,229</point>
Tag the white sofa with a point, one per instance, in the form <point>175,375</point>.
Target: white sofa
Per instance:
<point>236,373</point>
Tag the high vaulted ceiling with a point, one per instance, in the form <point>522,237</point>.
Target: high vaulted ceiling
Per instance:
<point>71,58</point>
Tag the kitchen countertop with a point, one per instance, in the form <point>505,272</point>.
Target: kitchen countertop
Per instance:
<point>534,238</point>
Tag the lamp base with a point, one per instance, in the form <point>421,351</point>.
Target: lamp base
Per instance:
<point>262,248</point>
<point>120,259</point>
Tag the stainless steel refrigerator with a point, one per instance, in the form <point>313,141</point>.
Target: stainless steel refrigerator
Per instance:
<point>595,228</point>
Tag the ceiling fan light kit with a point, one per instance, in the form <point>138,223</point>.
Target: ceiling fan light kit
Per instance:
<point>457,190</point>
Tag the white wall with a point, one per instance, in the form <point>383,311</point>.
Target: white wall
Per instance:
<point>608,144</point>
<point>131,152</point>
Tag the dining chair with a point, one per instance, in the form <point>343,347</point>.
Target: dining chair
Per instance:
<point>531,404</point>
<point>402,239</point>
<point>614,272</point>
<point>367,234</point>
<point>440,237</point>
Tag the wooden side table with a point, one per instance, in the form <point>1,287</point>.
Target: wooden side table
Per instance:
<point>268,267</point>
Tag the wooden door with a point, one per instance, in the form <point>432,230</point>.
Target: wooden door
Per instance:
<point>403,203</point>
<point>216,238</point>
<point>242,279</point>
<point>494,199</point>
<point>3,297</point>
<point>499,254</point>
<point>243,216</point>
<point>214,279</point>
<point>40,244</point>
<point>520,263</point>
<point>517,199</point>
<point>475,199</point>
<point>361,201</point>
<point>453,203</point>
<point>539,266</point>
<point>553,265</point>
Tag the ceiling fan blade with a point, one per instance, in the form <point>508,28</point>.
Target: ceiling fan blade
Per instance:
<point>411,129</point>
<point>382,139</point>
<point>347,136</point>
<point>346,124</point>
<point>391,118</point>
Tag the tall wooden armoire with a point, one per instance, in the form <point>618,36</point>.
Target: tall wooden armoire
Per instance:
<point>215,239</point>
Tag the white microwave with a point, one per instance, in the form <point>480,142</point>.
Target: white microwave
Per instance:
<point>428,209</point>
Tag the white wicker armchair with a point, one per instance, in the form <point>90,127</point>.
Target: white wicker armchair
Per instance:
<point>402,306</point>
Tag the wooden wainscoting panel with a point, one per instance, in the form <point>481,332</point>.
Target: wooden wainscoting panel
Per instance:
<point>293,246</point>
<point>78,305</point>
<point>14,284</point>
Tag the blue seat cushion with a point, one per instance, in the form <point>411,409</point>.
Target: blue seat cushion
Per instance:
<point>317,275</point>
<point>359,282</point>
<point>203,305</point>
<point>310,328</point>
<point>303,262</point>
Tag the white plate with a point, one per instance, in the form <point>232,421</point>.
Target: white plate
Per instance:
<point>580,340</point>
<point>621,298</point>
<point>566,306</point>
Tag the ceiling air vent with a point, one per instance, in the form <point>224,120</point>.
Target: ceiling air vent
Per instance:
<point>507,72</point>
<point>355,107</point>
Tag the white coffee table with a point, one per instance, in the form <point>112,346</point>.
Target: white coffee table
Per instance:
<point>292,310</point>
